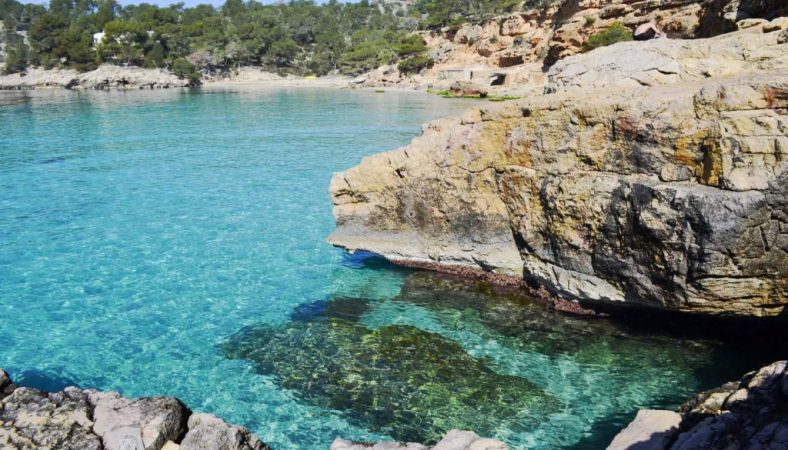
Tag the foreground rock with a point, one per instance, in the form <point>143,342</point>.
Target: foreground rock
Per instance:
<point>751,413</point>
<point>88,419</point>
<point>671,195</point>
<point>454,440</point>
<point>105,77</point>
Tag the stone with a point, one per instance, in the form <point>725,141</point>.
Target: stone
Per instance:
<point>675,172</point>
<point>467,89</point>
<point>33,419</point>
<point>782,38</point>
<point>208,432</point>
<point>749,413</point>
<point>93,420</point>
<point>665,195</point>
<point>650,430</point>
<point>147,422</point>
<point>457,440</point>
<point>6,386</point>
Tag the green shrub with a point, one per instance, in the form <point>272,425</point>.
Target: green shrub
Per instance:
<point>415,64</point>
<point>410,45</point>
<point>610,35</point>
<point>184,69</point>
<point>590,20</point>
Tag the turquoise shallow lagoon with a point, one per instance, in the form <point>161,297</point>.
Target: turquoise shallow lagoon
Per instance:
<point>172,243</point>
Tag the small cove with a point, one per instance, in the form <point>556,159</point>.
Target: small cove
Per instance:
<point>172,243</point>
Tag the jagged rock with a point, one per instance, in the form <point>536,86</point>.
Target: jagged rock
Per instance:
<point>571,190</point>
<point>208,432</point>
<point>454,440</point>
<point>146,422</point>
<point>651,430</point>
<point>32,419</point>
<point>6,386</point>
<point>92,420</point>
<point>752,413</point>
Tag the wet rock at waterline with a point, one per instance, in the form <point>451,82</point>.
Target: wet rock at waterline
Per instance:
<point>408,383</point>
<point>751,413</point>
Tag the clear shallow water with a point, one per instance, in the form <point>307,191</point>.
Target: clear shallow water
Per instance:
<point>172,243</point>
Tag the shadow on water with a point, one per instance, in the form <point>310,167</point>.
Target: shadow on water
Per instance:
<point>447,353</point>
<point>50,380</point>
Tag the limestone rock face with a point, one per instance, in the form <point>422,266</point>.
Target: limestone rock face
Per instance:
<point>92,420</point>
<point>750,413</point>
<point>672,195</point>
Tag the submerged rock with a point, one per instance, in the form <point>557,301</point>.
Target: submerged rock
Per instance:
<point>87,419</point>
<point>670,196</point>
<point>752,413</point>
<point>408,383</point>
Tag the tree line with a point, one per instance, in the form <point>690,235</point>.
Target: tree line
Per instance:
<point>299,37</point>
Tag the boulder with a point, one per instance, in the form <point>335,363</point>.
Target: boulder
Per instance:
<point>208,432</point>
<point>467,89</point>
<point>6,386</point>
<point>146,423</point>
<point>651,430</point>
<point>93,420</point>
<point>749,413</point>
<point>33,419</point>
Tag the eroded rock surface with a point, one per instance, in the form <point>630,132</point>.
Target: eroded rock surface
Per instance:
<point>671,195</point>
<point>750,413</point>
<point>87,419</point>
<point>105,77</point>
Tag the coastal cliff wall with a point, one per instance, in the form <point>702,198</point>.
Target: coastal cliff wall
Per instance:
<point>521,43</point>
<point>653,175</point>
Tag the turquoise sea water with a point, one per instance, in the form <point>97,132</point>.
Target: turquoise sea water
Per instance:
<point>172,243</point>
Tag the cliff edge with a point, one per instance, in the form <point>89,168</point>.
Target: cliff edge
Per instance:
<point>652,174</point>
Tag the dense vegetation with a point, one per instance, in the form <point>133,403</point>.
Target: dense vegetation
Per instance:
<point>610,35</point>
<point>298,37</point>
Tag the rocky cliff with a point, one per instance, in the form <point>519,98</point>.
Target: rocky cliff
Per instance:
<point>654,174</point>
<point>750,413</point>
<point>521,43</point>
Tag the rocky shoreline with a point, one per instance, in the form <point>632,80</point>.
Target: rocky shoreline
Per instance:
<point>750,413</point>
<point>88,419</point>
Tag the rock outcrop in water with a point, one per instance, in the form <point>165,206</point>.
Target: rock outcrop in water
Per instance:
<point>87,419</point>
<point>751,413</point>
<point>669,194</point>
